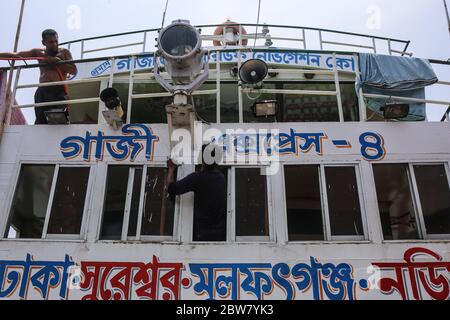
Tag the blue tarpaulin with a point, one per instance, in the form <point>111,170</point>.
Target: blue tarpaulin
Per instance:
<point>395,76</point>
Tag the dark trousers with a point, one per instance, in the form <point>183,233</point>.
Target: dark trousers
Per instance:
<point>48,94</point>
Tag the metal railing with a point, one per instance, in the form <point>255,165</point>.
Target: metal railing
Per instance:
<point>217,74</point>
<point>304,36</point>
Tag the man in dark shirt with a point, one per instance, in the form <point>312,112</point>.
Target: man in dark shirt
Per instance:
<point>209,187</point>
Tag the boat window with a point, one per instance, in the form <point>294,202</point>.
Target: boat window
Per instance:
<point>123,200</point>
<point>305,108</point>
<point>434,192</point>
<point>30,202</point>
<point>84,113</point>
<point>252,216</point>
<point>46,205</point>
<point>397,212</point>
<point>159,208</point>
<point>343,201</point>
<point>303,203</point>
<point>116,194</point>
<point>69,201</point>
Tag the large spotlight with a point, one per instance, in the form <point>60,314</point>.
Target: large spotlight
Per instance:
<point>253,72</point>
<point>114,114</point>
<point>180,45</point>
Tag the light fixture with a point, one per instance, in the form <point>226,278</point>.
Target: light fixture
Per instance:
<point>253,72</point>
<point>57,116</point>
<point>265,108</point>
<point>395,110</point>
<point>114,114</point>
<point>180,45</point>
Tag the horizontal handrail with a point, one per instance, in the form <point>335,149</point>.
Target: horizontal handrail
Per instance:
<point>406,99</point>
<point>244,25</point>
<point>265,35</point>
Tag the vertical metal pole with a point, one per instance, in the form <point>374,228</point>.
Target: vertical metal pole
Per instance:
<point>304,38</point>
<point>240,98</point>
<point>82,49</point>
<point>321,40</point>
<point>130,90</point>
<point>6,103</point>
<point>218,86</point>
<point>448,15</point>
<point>374,45</point>
<point>113,70</point>
<point>144,42</point>
<point>360,93</point>
<point>338,89</point>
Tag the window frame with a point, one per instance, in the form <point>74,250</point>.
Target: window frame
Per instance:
<point>231,209</point>
<point>45,236</point>
<point>126,218</point>
<point>415,196</point>
<point>326,226</point>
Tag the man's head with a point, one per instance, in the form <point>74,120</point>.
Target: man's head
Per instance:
<point>211,156</point>
<point>50,41</point>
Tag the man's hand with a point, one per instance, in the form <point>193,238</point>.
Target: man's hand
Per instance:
<point>170,178</point>
<point>171,165</point>
<point>52,60</point>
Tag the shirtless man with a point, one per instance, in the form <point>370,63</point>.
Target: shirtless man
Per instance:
<point>51,72</point>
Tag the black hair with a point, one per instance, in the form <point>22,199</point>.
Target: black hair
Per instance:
<point>48,33</point>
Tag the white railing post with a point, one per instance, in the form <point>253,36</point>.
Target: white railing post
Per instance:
<point>218,102</point>
<point>321,39</point>
<point>240,98</point>
<point>338,89</point>
<point>362,104</point>
<point>130,90</point>
<point>82,50</point>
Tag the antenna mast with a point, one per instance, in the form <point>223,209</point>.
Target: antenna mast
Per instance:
<point>448,15</point>
<point>4,111</point>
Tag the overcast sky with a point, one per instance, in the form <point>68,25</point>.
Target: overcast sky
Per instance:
<point>421,21</point>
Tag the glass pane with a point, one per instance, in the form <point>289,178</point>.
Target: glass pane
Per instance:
<point>150,110</point>
<point>229,102</point>
<point>135,199</point>
<point>398,217</point>
<point>206,105</point>
<point>303,203</point>
<point>343,201</point>
<point>434,192</point>
<point>114,207</point>
<point>297,108</point>
<point>30,202</point>
<point>69,200</point>
<point>252,216</point>
<point>159,209</point>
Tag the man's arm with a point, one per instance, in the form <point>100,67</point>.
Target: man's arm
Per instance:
<point>183,186</point>
<point>21,54</point>
<point>70,68</point>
